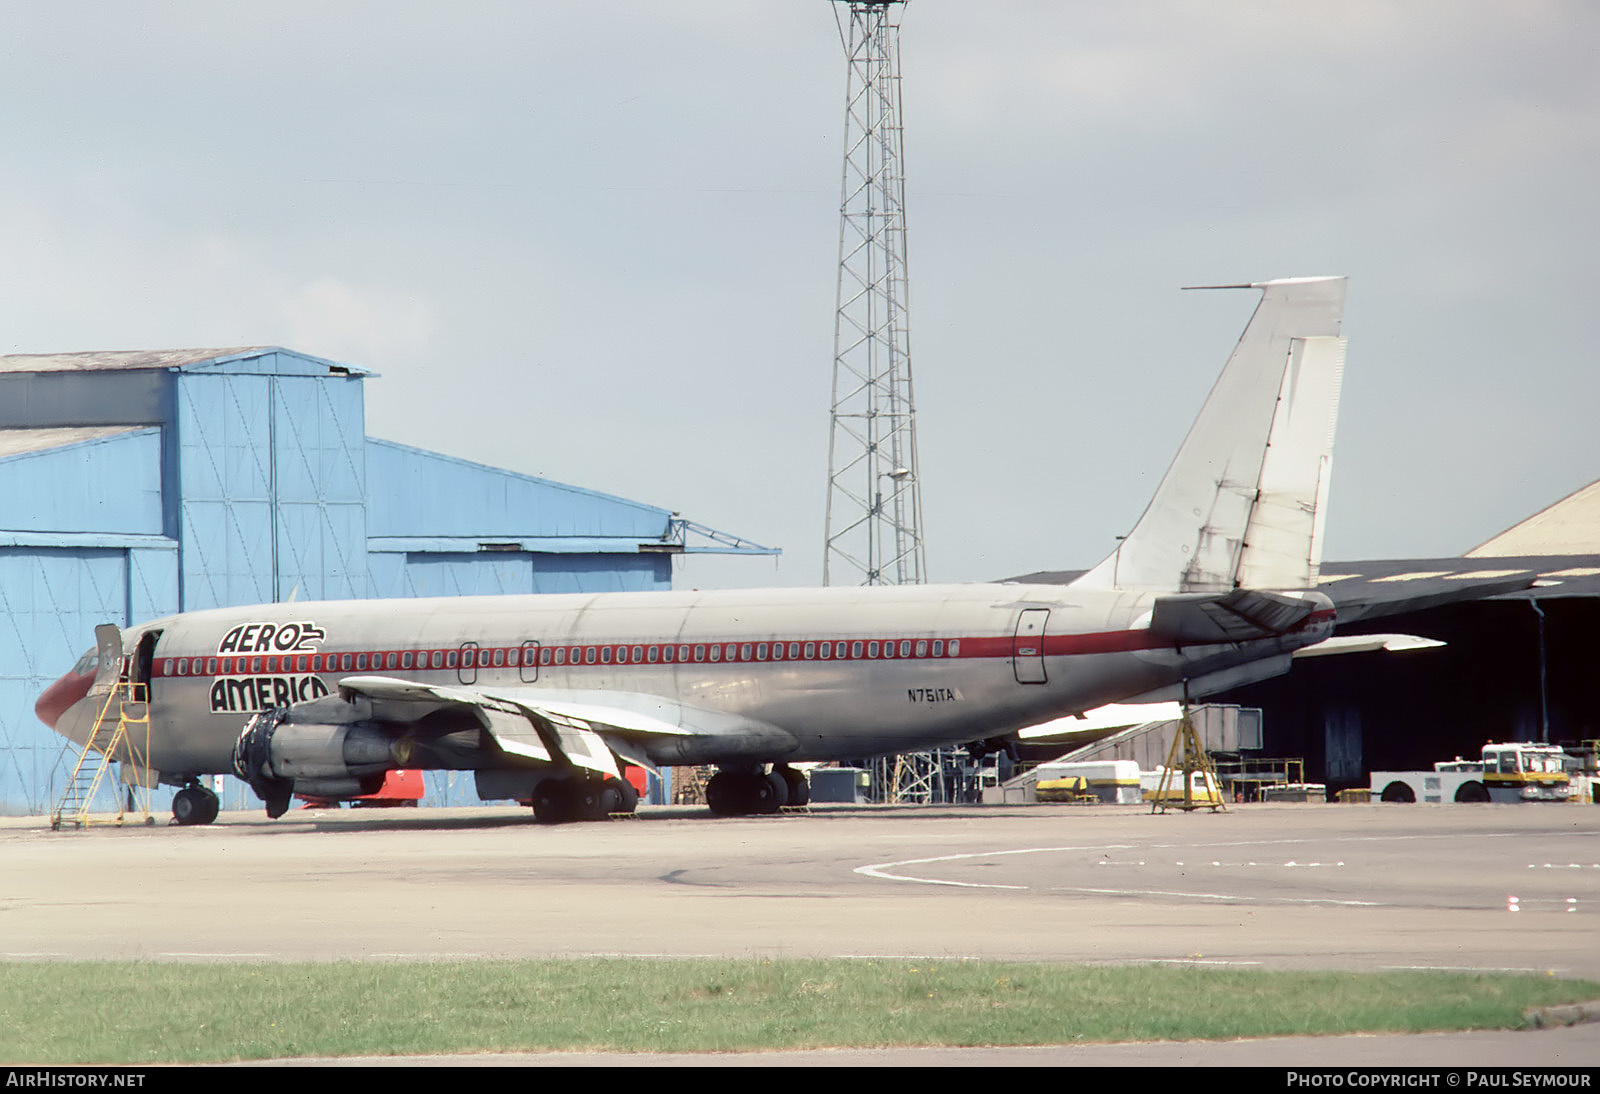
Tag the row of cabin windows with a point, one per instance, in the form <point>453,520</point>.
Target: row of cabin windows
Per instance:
<point>531,654</point>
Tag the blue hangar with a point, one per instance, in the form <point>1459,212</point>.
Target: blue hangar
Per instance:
<point>137,484</point>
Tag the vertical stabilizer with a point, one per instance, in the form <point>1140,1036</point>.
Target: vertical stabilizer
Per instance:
<point>1243,503</point>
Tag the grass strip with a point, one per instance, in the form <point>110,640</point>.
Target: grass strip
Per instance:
<point>124,1012</point>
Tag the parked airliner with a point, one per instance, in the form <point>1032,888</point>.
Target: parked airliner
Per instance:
<point>547,697</point>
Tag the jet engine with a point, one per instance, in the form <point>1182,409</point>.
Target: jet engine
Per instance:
<point>316,749</point>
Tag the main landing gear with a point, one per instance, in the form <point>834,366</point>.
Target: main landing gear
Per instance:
<point>736,793</point>
<point>577,797</point>
<point>194,804</point>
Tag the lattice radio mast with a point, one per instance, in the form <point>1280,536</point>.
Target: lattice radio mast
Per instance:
<point>873,529</point>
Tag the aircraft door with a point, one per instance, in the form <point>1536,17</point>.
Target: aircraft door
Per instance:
<point>528,663</point>
<point>467,665</point>
<point>1027,646</point>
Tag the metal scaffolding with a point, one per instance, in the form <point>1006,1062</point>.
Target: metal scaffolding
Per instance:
<point>873,530</point>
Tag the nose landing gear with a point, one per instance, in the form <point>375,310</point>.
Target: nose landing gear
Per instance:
<point>194,804</point>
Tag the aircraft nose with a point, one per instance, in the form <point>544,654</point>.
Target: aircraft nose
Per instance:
<point>59,697</point>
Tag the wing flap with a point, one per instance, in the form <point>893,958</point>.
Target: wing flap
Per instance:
<point>577,728</point>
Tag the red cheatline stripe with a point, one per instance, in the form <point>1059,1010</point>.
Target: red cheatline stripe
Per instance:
<point>626,654</point>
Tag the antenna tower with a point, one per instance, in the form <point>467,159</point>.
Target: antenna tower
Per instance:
<point>874,494</point>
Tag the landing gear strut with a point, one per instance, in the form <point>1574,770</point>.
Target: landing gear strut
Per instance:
<point>194,804</point>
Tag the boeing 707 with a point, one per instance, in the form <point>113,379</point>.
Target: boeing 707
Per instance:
<point>548,697</point>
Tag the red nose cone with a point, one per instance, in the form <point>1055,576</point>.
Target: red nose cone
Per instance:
<point>59,696</point>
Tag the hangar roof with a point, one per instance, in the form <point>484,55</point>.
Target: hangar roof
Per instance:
<point>19,442</point>
<point>1570,526</point>
<point>150,359</point>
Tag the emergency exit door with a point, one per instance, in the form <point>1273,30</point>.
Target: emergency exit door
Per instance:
<point>1027,646</point>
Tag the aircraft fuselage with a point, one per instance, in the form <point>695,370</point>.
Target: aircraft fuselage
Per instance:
<point>843,672</point>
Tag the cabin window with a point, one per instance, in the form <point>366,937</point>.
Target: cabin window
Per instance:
<point>405,660</point>
<point>716,653</point>
<point>622,655</point>
<point>391,661</point>
<point>938,647</point>
<point>653,654</point>
<point>560,655</point>
<point>361,661</point>
<point>499,658</point>
<point>855,649</point>
<point>668,654</point>
<point>922,648</point>
<point>744,652</point>
<point>810,650</point>
<point>590,655</point>
<point>827,650</point>
<point>905,649</point>
<point>872,649</point>
<point>544,655</point>
<point>605,655</point>
<point>699,653</point>
<point>683,653</point>
<point>211,666</point>
<point>777,651</point>
<point>438,659</point>
<point>955,647</point>
<point>638,654</point>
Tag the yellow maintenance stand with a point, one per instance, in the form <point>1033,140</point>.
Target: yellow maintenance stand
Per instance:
<point>1186,757</point>
<point>121,734</point>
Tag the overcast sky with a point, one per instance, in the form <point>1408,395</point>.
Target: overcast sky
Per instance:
<point>599,242</point>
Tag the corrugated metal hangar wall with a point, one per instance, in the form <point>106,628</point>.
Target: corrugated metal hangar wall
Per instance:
<point>134,485</point>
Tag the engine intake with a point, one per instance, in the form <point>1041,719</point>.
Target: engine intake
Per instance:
<point>307,749</point>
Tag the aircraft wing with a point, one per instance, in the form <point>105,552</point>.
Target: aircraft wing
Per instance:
<point>1416,586</point>
<point>576,727</point>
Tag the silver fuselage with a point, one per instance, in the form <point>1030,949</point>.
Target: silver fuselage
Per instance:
<point>845,672</point>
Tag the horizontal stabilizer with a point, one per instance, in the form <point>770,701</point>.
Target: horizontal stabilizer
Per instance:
<point>1367,643</point>
<point>1241,615</point>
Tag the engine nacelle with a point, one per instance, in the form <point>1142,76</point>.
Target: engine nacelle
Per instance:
<point>309,749</point>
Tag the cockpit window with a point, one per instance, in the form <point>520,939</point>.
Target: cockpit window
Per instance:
<point>88,663</point>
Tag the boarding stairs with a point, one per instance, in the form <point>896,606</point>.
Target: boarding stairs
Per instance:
<point>121,733</point>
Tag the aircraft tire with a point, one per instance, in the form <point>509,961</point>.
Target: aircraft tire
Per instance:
<point>769,793</point>
<point>194,805</point>
<point>722,794</point>
<point>620,796</point>
<point>552,802</point>
<point>799,789</point>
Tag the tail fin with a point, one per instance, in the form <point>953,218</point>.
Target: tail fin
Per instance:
<point>1242,505</point>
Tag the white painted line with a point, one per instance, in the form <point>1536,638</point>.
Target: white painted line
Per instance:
<point>223,956</point>
<point>1232,898</point>
<point>881,869</point>
<point>1465,968</point>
